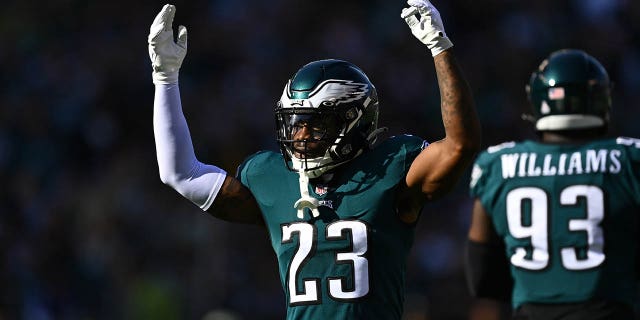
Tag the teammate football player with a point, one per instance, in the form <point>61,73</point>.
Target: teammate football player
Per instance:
<point>555,224</point>
<point>339,206</point>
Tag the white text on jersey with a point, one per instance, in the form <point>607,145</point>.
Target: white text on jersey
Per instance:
<point>529,164</point>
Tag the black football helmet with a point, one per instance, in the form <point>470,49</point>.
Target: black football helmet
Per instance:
<point>339,104</point>
<point>570,90</point>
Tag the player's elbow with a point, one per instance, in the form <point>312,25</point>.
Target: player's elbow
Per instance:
<point>467,143</point>
<point>452,164</point>
<point>464,150</point>
<point>180,184</point>
<point>171,179</point>
<point>175,176</point>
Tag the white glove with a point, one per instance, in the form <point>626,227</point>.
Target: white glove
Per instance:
<point>166,55</point>
<point>429,28</point>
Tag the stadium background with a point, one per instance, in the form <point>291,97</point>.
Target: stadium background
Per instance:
<point>87,231</point>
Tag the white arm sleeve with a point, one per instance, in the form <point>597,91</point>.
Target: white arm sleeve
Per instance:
<point>177,161</point>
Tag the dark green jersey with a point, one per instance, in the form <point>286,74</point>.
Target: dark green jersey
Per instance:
<point>348,263</point>
<point>568,215</point>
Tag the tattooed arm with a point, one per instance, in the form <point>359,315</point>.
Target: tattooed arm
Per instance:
<point>438,167</point>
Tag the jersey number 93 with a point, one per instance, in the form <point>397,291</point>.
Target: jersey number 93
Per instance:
<point>536,256</point>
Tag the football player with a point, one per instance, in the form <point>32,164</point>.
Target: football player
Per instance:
<point>555,222</point>
<point>340,207</point>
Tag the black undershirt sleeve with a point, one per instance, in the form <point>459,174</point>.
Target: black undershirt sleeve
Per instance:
<point>487,271</point>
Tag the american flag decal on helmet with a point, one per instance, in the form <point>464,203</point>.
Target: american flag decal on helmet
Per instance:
<point>556,93</point>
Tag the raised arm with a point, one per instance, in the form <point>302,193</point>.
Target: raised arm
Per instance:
<point>177,163</point>
<point>438,167</point>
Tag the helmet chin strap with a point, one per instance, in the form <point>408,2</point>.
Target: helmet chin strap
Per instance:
<point>306,201</point>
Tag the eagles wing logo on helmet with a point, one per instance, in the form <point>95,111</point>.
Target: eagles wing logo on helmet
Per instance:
<point>329,93</point>
<point>334,92</point>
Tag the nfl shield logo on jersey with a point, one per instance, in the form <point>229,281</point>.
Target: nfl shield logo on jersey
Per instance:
<point>321,189</point>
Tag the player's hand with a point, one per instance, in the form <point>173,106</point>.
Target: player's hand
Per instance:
<point>426,25</point>
<point>166,55</point>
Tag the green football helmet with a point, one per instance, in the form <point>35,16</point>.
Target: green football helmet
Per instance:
<point>339,104</point>
<point>570,90</point>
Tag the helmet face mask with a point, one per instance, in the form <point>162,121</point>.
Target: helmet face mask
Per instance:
<point>322,127</point>
<point>569,91</point>
<point>337,105</point>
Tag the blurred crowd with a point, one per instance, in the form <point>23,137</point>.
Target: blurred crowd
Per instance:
<point>88,231</point>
